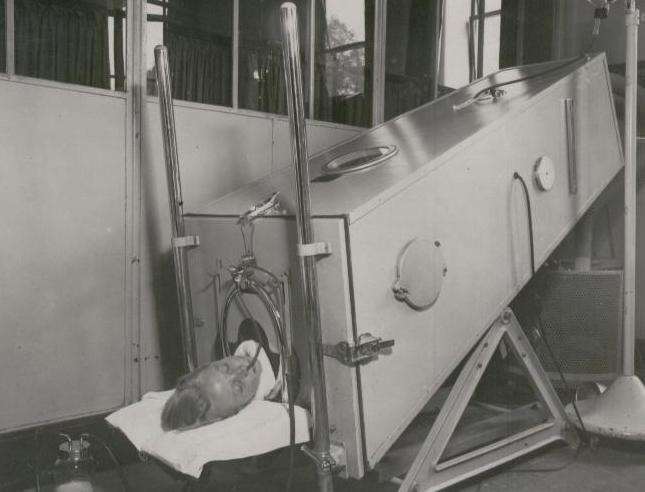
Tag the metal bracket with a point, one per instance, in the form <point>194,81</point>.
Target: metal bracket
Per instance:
<point>314,249</point>
<point>270,206</point>
<point>185,242</point>
<point>324,461</point>
<point>368,348</point>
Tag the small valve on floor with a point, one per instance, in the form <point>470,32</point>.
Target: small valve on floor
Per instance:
<point>73,471</point>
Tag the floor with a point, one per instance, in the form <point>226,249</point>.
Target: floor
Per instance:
<point>612,466</point>
<point>607,466</point>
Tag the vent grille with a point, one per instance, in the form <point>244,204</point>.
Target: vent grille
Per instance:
<point>582,319</point>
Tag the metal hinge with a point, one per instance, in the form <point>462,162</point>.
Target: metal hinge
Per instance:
<point>368,348</point>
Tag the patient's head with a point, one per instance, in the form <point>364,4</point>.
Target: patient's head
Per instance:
<point>210,393</point>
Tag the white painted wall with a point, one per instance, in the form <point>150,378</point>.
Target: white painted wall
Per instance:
<point>62,255</point>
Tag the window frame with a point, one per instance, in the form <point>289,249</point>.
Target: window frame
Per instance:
<point>136,16</point>
<point>10,61</point>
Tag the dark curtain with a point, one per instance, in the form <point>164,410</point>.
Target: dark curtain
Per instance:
<point>261,80</point>
<point>406,91</point>
<point>200,69</point>
<point>3,46</point>
<point>272,86</point>
<point>538,32</point>
<point>198,36</point>
<point>537,41</point>
<point>65,41</point>
<point>508,34</point>
<point>268,92</point>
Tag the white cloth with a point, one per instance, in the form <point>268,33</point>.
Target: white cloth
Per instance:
<point>258,428</point>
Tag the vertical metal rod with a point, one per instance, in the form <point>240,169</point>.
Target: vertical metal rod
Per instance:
<point>9,25</point>
<point>438,44</point>
<point>176,205</point>
<point>378,66</point>
<point>311,45</point>
<point>472,69</point>
<point>572,161</point>
<point>631,61</point>
<point>295,105</point>
<point>521,31</point>
<point>481,21</point>
<point>235,77</point>
<point>135,86</point>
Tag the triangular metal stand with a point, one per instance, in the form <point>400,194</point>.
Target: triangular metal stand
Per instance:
<point>429,473</point>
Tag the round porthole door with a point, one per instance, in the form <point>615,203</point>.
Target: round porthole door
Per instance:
<point>420,272</point>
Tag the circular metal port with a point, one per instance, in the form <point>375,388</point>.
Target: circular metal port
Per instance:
<point>359,160</point>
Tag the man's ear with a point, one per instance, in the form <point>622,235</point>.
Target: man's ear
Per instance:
<point>185,409</point>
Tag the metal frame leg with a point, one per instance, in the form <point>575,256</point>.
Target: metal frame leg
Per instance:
<point>427,473</point>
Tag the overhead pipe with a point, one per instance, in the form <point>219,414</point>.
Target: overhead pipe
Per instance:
<point>320,449</point>
<point>179,241</point>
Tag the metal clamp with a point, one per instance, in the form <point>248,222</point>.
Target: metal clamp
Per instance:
<point>324,461</point>
<point>368,348</point>
<point>269,206</point>
<point>185,242</point>
<point>314,249</point>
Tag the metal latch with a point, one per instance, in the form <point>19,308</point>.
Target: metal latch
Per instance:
<point>369,347</point>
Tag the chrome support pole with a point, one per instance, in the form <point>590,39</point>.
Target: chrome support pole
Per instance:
<point>176,206</point>
<point>320,450</point>
<point>619,412</point>
<point>631,84</point>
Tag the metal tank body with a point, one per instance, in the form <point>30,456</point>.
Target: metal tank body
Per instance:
<point>451,183</point>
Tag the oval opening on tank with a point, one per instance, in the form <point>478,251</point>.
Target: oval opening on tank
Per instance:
<point>359,160</point>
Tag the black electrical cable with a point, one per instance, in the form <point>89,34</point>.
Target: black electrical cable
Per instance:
<point>539,326</point>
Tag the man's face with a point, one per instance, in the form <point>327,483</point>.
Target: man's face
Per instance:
<point>229,384</point>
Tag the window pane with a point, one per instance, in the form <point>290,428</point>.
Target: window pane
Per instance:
<point>455,49</point>
<point>409,54</point>
<point>492,25</point>
<point>344,55</point>
<point>198,35</point>
<point>3,46</point>
<point>74,41</point>
<point>261,75</point>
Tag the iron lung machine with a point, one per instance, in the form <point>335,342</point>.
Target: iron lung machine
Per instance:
<point>425,235</point>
